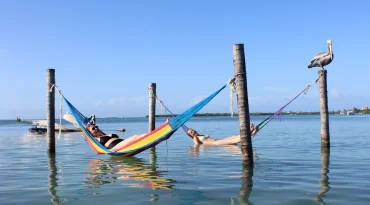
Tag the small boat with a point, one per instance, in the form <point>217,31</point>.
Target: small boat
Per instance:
<point>37,129</point>
<point>350,113</point>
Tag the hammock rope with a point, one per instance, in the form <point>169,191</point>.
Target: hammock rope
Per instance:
<point>277,113</point>
<point>231,82</point>
<point>268,119</point>
<point>184,127</point>
<point>232,91</point>
<point>61,106</point>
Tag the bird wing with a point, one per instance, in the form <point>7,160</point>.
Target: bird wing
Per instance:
<point>319,56</point>
<point>326,60</point>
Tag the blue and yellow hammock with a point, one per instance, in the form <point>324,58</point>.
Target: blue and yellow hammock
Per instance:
<point>147,141</point>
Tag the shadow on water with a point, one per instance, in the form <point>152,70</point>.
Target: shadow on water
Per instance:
<point>324,181</point>
<point>136,171</point>
<point>53,181</point>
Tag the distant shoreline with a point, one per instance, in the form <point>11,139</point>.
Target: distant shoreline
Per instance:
<point>258,114</point>
<point>252,114</point>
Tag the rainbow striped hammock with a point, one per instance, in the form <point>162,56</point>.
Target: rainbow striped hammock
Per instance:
<point>147,141</point>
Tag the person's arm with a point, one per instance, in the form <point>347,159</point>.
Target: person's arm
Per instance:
<point>253,133</point>
<point>196,140</point>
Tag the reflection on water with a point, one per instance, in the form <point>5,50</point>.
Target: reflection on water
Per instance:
<point>225,150</point>
<point>324,181</point>
<point>246,172</point>
<point>247,184</point>
<point>135,171</point>
<point>288,169</point>
<point>53,181</point>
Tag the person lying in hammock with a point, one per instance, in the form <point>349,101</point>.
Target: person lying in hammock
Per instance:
<point>206,140</point>
<point>110,141</point>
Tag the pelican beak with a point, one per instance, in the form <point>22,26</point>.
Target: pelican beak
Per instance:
<point>330,49</point>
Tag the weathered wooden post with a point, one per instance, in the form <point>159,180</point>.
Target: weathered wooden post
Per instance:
<point>50,109</point>
<point>151,116</point>
<point>152,94</point>
<point>243,105</point>
<point>324,111</point>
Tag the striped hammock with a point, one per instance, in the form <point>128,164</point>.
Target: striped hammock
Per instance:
<point>148,140</point>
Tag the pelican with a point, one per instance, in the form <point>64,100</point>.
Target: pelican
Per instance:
<point>322,59</point>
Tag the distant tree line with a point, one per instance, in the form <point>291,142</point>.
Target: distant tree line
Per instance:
<point>236,114</point>
<point>357,111</point>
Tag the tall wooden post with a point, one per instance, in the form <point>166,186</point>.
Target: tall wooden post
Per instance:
<point>152,95</point>
<point>50,109</point>
<point>324,111</point>
<point>243,105</point>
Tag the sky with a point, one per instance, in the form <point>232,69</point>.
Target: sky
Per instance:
<point>105,54</point>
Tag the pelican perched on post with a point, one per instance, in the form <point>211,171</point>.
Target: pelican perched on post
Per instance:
<point>322,59</point>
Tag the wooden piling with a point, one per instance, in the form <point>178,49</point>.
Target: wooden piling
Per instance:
<point>152,100</point>
<point>324,111</point>
<point>152,94</point>
<point>243,105</point>
<point>50,109</point>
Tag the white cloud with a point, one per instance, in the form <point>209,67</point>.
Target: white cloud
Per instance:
<point>116,100</point>
<point>139,99</point>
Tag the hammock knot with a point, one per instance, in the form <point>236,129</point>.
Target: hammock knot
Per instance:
<point>318,78</point>
<point>61,106</point>
<point>232,91</point>
<point>241,73</point>
<point>307,88</point>
<point>231,81</point>
<point>51,88</point>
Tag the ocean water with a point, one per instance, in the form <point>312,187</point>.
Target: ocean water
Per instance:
<point>290,166</point>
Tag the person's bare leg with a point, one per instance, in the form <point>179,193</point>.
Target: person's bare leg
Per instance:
<point>228,141</point>
<point>127,141</point>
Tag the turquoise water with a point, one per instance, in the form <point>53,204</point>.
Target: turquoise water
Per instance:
<point>290,167</point>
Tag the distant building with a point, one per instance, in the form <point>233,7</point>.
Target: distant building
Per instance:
<point>364,107</point>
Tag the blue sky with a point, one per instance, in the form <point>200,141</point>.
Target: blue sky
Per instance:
<point>106,53</point>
